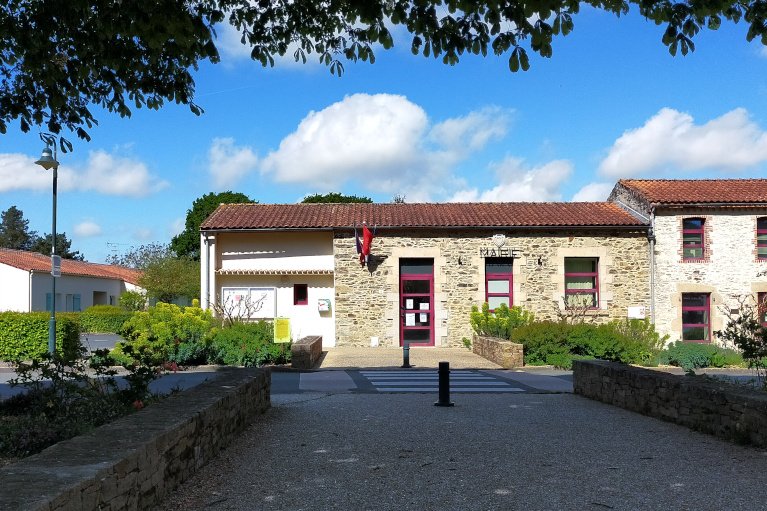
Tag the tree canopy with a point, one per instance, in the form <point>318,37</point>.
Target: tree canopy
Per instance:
<point>58,61</point>
<point>169,278</point>
<point>63,246</point>
<point>15,234</point>
<point>334,197</point>
<point>187,243</point>
<point>142,256</point>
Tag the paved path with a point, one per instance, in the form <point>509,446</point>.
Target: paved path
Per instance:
<point>511,451</point>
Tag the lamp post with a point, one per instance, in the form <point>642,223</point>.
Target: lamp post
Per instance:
<point>48,161</point>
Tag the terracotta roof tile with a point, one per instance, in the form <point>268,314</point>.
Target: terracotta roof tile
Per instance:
<point>699,191</point>
<point>33,261</point>
<point>424,215</point>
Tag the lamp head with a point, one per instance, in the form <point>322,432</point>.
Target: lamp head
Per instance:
<point>47,161</point>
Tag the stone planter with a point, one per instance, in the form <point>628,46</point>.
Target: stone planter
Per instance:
<point>504,353</point>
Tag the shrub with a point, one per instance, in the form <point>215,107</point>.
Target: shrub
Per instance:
<point>744,330</point>
<point>166,332</point>
<point>24,335</point>
<point>248,344</point>
<point>500,323</point>
<point>103,319</point>
<point>690,356</point>
<point>543,341</point>
<point>133,301</point>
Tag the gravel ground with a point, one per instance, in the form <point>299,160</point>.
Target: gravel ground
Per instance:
<point>523,451</point>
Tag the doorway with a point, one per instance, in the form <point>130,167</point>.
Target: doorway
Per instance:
<point>416,290</point>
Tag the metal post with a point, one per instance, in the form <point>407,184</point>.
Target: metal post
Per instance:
<point>52,323</point>
<point>406,355</point>
<point>444,385</point>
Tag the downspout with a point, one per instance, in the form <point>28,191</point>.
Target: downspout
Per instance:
<point>207,270</point>
<point>29,291</point>
<point>651,238</point>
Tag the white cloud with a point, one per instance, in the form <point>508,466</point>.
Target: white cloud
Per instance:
<point>231,48</point>
<point>142,234</point>
<point>87,229</point>
<point>228,163</point>
<point>593,192</point>
<point>763,51</point>
<point>671,139</point>
<point>103,172</point>
<point>383,141</point>
<point>521,183</point>
<point>177,226</point>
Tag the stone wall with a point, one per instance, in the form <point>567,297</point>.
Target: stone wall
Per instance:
<point>132,463</point>
<point>367,298</point>
<point>305,352</point>
<point>729,270</point>
<point>727,411</point>
<point>506,354</point>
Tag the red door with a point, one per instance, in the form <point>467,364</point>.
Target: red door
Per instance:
<point>416,302</point>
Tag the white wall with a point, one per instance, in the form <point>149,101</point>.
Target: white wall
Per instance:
<point>275,251</point>
<point>14,289</point>
<point>304,319</point>
<point>71,285</point>
<point>731,270</point>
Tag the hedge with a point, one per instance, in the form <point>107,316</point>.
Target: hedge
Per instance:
<point>103,319</point>
<point>24,335</point>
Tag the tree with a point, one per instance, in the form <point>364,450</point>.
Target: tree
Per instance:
<point>335,197</point>
<point>57,63</point>
<point>399,198</point>
<point>142,256</point>
<point>14,230</point>
<point>63,247</point>
<point>170,277</point>
<point>187,243</point>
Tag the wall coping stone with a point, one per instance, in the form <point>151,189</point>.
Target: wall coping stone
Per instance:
<point>131,463</point>
<point>305,352</point>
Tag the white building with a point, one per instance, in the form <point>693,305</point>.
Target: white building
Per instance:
<point>709,249</point>
<point>25,283</point>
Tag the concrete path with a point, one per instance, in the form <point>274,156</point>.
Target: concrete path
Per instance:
<point>528,452</point>
<point>391,358</point>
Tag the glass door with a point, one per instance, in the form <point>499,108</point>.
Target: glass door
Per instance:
<point>417,302</point>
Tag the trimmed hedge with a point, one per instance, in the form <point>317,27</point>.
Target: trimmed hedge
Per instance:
<point>104,319</point>
<point>690,356</point>
<point>24,335</point>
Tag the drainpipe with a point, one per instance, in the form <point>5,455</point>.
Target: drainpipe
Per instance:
<point>207,270</point>
<point>651,239</point>
<point>29,292</point>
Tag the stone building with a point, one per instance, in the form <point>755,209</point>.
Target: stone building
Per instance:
<point>428,264</point>
<point>709,249</point>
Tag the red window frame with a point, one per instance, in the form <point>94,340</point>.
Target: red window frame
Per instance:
<point>300,294</point>
<point>697,308</point>
<point>761,244</point>
<point>694,231</point>
<point>594,291</point>
<point>761,308</point>
<point>495,276</point>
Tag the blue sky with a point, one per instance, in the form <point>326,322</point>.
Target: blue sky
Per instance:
<point>611,103</point>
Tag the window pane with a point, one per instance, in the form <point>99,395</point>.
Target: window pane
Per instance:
<point>498,264</point>
<point>421,335</point>
<point>580,283</point>
<point>693,253</point>
<point>498,286</point>
<point>580,265</point>
<point>416,266</point>
<point>692,239</point>
<point>415,286</point>
<point>495,301</point>
<point>762,238</point>
<point>697,333</point>
<point>694,299</point>
<point>761,223</point>
<point>581,300</point>
<point>416,303</point>
<point>761,252</point>
<point>695,317</point>
<point>693,223</point>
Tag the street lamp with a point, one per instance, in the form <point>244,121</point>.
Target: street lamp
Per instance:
<point>48,161</point>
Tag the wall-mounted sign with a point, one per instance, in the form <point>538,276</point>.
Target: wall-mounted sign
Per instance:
<point>323,304</point>
<point>499,240</point>
<point>637,312</point>
<point>500,252</point>
<point>249,302</point>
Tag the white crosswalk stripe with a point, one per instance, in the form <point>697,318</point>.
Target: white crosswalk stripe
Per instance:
<point>422,381</point>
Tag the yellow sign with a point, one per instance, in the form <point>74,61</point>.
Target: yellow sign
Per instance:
<point>281,330</point>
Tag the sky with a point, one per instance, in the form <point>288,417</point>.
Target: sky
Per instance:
<point>611,103</point>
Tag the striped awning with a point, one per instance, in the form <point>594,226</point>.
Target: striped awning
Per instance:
<point>273,272</point>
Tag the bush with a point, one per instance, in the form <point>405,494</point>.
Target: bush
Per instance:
<point>545,342</point>
<point>500,323</point>
<point>103,319</point>
<point>24,335</point>
<point>248,344</point>
<point>690,356</point>
<point>133,301</point>
<point>167,333</point>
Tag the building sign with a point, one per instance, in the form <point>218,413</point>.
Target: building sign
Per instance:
<point>500,252</point>
<point>249,302</point>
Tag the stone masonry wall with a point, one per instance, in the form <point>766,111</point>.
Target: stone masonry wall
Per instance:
<point>132,463</point>
<point>504,353</point>
<point>727,411</point>
<point>367,299</point>
<point>729,270</point>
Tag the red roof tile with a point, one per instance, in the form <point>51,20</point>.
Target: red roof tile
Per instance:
<point>425,215</point>
<point>699,191</point>
<point>33,261</point>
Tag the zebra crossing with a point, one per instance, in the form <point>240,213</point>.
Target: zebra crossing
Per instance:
<point>427,381</point>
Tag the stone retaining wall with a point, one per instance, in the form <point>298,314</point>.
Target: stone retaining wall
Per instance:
<point>305,352</point>
<point>132,463</point>
<point>724,410</point>
<point>504,353</point>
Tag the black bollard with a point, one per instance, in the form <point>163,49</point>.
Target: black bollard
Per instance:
<point>444,385</point>
<point>406,355</point>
